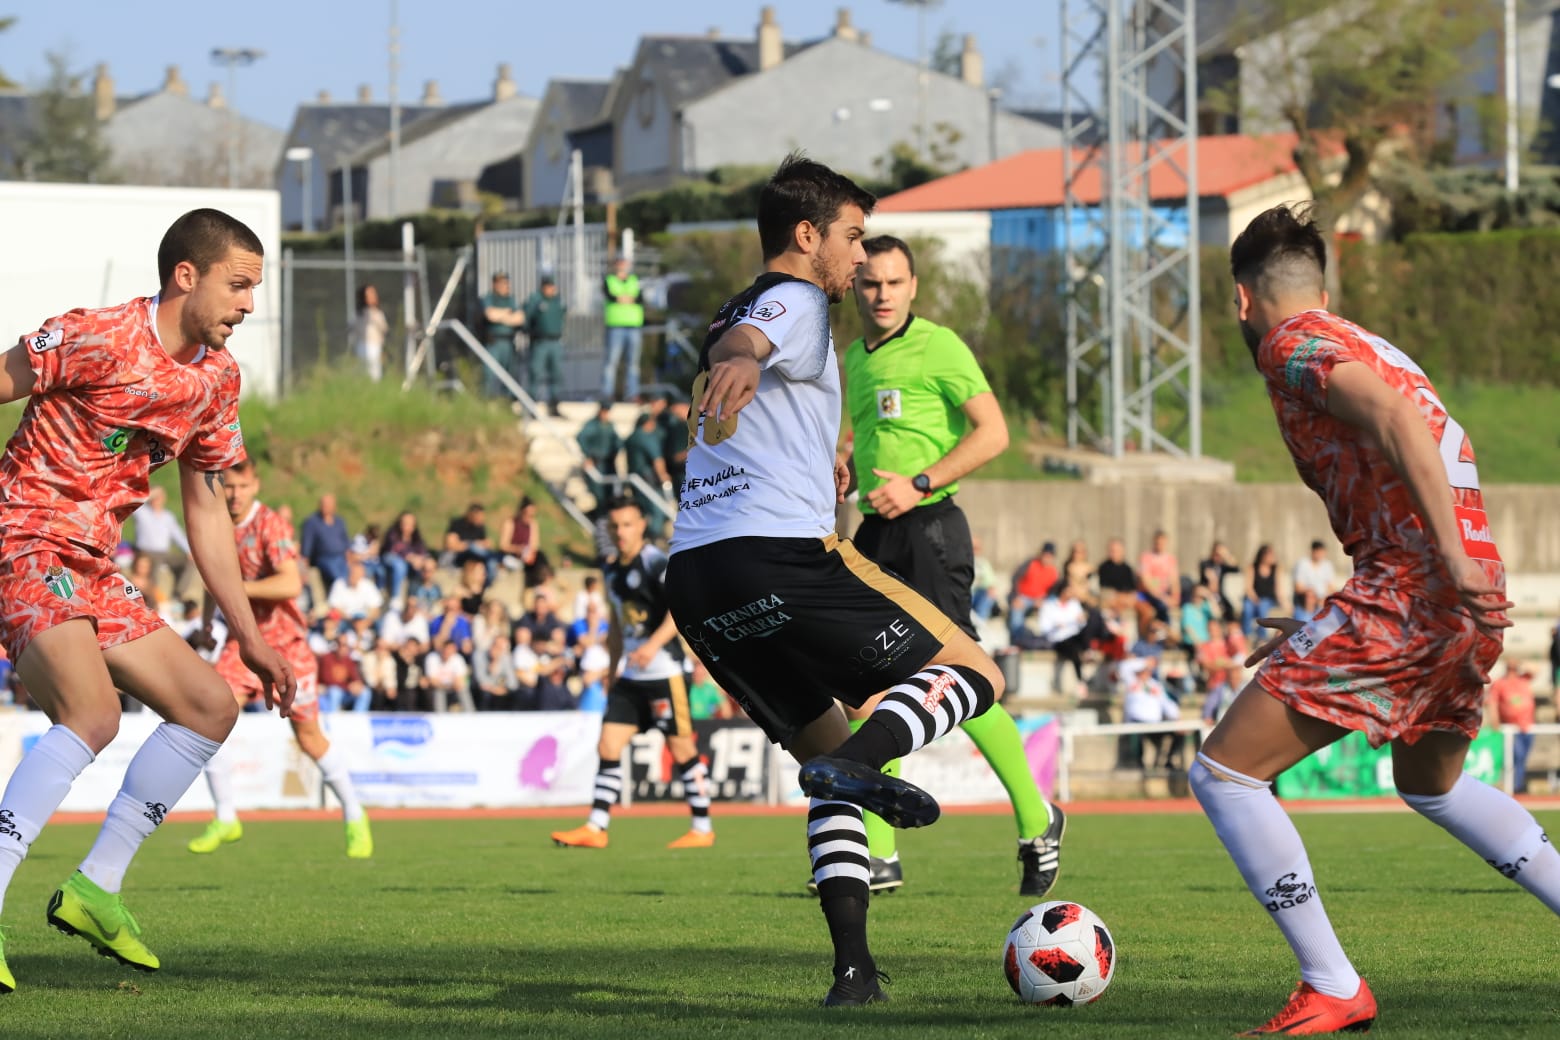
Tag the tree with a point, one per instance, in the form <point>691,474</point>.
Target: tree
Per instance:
<point>65,142</point>
<point>1348,77</point>
<point>6,83</point>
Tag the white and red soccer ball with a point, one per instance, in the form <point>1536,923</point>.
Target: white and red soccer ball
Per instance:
<point>1059,953</point>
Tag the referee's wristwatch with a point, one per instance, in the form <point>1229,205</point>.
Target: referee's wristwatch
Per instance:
<point>922,483</point>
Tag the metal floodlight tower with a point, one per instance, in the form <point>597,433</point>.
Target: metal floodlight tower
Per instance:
<point>1130,226</point>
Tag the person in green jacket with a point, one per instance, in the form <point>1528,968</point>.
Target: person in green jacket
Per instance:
<point>501,318</point>
<point>600,443</point>
<point>624,314</point>
<point>544,317</point>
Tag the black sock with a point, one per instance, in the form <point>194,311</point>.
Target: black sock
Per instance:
<point>847,919</point>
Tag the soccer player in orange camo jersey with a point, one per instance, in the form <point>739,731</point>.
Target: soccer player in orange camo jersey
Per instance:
<point>268,559</point>
<point>1401,653</point>
<point>113,394</point>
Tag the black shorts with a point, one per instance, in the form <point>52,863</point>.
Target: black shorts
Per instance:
<point>929,549</point>
<point>651,704</point>
<point>786,625</point>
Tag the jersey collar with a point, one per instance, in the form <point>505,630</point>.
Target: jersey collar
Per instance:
<point>910,318</point>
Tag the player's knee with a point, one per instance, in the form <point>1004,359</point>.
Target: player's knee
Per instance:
<point>96,730</point>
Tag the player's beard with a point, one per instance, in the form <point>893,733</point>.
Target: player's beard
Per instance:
<point>1252,337</point>
<point>834,289</point>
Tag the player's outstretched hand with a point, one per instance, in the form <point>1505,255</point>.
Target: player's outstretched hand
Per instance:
<point>1284,626</point>
<point>277,681</point>
<point>1480,596</point>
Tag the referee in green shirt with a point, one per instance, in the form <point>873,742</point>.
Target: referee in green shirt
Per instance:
<point>923,416</point>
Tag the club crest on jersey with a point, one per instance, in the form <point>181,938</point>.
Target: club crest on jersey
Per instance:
<point>889,405</point>
<point>46,341</point>
<point>59,581</point>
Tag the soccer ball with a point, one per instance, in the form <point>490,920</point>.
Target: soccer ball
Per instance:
<point>1059,953</point>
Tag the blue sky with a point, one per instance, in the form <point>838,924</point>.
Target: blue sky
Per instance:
<point>336,45</point>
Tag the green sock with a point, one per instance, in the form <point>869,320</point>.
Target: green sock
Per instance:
<point>996,735</point>
<point>881,842</point>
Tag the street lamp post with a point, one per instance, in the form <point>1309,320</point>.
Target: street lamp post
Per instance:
<point>231,58</point>
<point>305,155</point>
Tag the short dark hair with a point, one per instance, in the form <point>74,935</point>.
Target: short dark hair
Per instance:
<point>1281,250</point>
<point>243,465</point>
<point>877,245</point>
<point>802,189</point>
<point>203,237</point>
<point>625,502</point>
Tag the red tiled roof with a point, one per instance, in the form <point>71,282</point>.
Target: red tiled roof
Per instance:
<point>1034,179</point>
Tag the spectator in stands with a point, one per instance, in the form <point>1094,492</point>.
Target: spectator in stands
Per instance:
<point>592,623</point>
<point>1212,571</point>
<point>408,624</point>
<point>360,635</point>
<point>472,587</point>
<point>380,676</point>
<point>1512,696</point>
<point>411,682</point>
<point>494,675</point>
<point>1079,572</point>
<point>1034,580</point>
<point>623,310</point>
<point>589,592</point>
<point>430,591</point>
<point>490,622</point>
<point>341,680</point>
<point>985,598</point>
<point>1219,660</point>
<point>1066,627</point>
<point>368,332</point>
<point>1197,615</point>
<point>645,461</point>
<point>502,318</point>
<point>1314,581</point>
<point>158,534</point>
<point>1145,700</point>
<point>402,552</point>
<point>1119,585</point>
<point>674,434</point>
<point>599,441</point>
<point>549,635</point>
<point>552,691</point>
<point>365,547</point>
<point>324,541</point>
<point>326,632</point>
<point>1554,657</point>
<point>592,663</point>
<point>1159,578</point>
<point>528,668</point>
<point>1262,597</point>
<point>545,314</point>
<point>452,626</point>
<point>355,593</point>
<point>522,541</point>
<point>466,537</point>
<point>449,676</point>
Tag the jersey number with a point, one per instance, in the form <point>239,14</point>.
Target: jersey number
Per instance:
<point>1459,474</point>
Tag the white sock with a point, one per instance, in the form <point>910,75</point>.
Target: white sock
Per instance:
<point>37,787</point>
<point>155,780</point>
<point>1267,850</point>
<point>1505,835</point>
<point>219,778</point>
<point>333,767</point>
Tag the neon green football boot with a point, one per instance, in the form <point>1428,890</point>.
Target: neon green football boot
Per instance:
<point>7,980</point>
<point>216,834</point>
<point>81,908</point>
<point>360,840</point>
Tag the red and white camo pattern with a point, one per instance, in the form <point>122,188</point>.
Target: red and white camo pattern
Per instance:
<point>45,588</point>
<point>108,406</point>
<point>1390,654</point>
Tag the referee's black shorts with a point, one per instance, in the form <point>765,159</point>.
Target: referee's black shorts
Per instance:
<point>930,550</point>
<point>787,625</point>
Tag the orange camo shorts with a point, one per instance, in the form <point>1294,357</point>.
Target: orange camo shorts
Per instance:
<point>45,588</point>
<point>246,684</point>
<point>1387,663</point>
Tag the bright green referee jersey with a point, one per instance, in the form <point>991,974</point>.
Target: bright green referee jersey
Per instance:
<point>906,397</point>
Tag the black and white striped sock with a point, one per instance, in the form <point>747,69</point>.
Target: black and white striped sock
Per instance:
<point>696,789</point>
<point>609,784</point>
<point>917,712</point>
<point>837,844</point>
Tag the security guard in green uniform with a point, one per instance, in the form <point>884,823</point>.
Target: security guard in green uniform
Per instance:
<point>624,313</point>
<point>501,319</point>
<point>600,443</point>
<point>544,314</point>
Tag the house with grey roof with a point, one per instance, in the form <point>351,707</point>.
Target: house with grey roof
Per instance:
<point>688,105</point>
<point>327,133</point>
<point>442,157</point>
<point>572,115</point>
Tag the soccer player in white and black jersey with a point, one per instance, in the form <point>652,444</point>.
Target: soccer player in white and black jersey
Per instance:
<point>786,615</point>
<point>645,688</point>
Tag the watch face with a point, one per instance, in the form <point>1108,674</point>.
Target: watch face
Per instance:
<point>922,483</point>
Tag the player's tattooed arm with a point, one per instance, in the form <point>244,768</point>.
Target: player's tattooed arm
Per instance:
<point>213,481</point>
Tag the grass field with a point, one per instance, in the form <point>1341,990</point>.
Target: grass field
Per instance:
<point>479,928</point>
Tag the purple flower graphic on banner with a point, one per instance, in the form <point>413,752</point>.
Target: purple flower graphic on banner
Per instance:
<point>1042,745</point>
<point>539,767</point>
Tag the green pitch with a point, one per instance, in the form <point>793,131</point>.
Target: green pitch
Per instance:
<point>480,928</point>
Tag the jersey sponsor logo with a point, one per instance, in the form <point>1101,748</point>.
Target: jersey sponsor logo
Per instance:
<point>1311,636</point>
<point>155,811</point>
<point>137,391</point>
<point>59,581</point>
<point>889,404</point>
<point>886,647</point>
<point>1361,688</point>
<point>769,310</point>
<point>936,692</point>
<point>1474,525</point>
<point>45,341</point>
<point>156,452</point>
<point>116,440</point>
<point>8,827</point>
<point>131,592</point>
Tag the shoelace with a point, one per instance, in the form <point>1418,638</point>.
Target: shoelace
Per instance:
<point>1292,1007</point>
<point>882,976</point>
<point>130,921</point>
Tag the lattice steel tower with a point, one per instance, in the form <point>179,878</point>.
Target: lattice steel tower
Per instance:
<point>1134,372</point>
